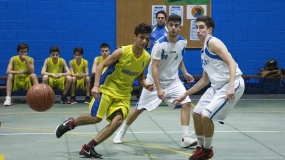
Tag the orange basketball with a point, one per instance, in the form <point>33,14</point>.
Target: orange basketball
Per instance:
<point>40,97</point>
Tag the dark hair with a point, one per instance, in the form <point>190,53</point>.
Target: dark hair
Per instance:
<point>161,12</point>
<point>207,20</point>
<point>22,46</point>
<point>174,17</point>
<point>78,49</point>
<point>54,49</point>
<point>142,29</point>
<point>104,45</point>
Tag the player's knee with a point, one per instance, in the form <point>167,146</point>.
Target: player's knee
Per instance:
<point>10,77</point>
<point>73,79</point>
<point>87,79</point>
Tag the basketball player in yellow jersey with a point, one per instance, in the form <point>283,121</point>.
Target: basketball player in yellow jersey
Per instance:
<point>80,75</point>
<point>53,73</point>
<point>20,72</point>
<point>113,98</point>
<point>105,52</point>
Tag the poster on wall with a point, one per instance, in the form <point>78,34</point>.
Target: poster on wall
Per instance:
<point>177,10</point>
<point>155,9</point>
<point>193,34</point>
<point>194,11</point>
<point>187,1</point>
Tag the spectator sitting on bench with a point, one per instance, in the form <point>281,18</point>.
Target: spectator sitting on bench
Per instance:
<point>80,75</point>
<point>20,72</point>
<point>53,73</point>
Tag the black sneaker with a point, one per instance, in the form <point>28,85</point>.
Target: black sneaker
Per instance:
<point>87,99</point>
<point>64,100</point>
<point>73,100</point>
<point>64,127</point>
<point>90,152</point>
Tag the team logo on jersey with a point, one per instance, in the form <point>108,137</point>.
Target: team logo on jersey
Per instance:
<point>163,56</point>
<point>130,73</point>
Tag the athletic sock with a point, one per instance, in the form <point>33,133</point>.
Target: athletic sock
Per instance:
<point>208,142</point>
<point>200,140</point>
<point>185,130</point>
<point>92,143</point>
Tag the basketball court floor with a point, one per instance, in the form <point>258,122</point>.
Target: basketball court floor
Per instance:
<point>254,130</point>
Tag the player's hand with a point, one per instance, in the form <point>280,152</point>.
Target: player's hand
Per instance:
<point>81,75</point>
<point>24,57</point>
<point>189,77</point>
<point>149,87</point>
<point>160,94</point>
<point>178,100</point>
<point>21,71</point>
<point>95,92</point>
<point>230,97</point>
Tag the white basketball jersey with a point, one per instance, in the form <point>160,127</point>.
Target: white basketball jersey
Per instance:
<point>215,67</point>
<point>170,55</point>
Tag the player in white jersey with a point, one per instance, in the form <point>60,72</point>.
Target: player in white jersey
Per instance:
<point>227,86</point>
<point>166,58</point>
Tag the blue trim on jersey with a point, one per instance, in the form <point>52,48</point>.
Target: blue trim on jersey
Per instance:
<point>224,103</point>
<point>207,52</point>
<point>107,72</point>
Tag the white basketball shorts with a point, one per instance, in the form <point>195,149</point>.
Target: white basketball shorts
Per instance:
<point>172,89</point>
<point>213,104</point>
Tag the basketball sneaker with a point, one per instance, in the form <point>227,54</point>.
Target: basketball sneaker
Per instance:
<point>73,100</point>
<point>202,154</point>
<point>187,141</point>
<point>7,101</point>
<point>87,99</point>
<point>64,127</point>
<point>64,100</point>
<point>119,137</point>
<point>90,152</point>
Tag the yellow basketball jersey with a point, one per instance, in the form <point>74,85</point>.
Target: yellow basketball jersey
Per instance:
<point>100,59</point>
<point>18,65</point>
<point>79,68</point>
<point>55,68</point>
<point>119,83</point>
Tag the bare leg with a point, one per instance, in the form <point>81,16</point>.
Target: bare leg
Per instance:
<point>9,84</point>
<point>198,124</point>
<point>34,79</point>
<point>133,116</point>
<point>208,126</point>
<point>185,114</point>
<point>109,129</point>
<point>45,79</point>
<point>87,85</point>
<point>67,85</point>
<point>73,79</point>
<point>86,119</point>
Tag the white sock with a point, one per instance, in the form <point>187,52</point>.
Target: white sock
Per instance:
<point>200,140</point>
<point>208,142</point>
<point>185,130</point>
<point>125,126</point>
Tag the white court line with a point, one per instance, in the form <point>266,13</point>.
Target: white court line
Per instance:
<point>92,133</point>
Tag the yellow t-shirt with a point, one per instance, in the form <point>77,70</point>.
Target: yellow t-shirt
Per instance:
<point>18,65</point>
<point>55,68</point>
<point>119,83</point>
<point>79,68</point>
<point>21,81</point>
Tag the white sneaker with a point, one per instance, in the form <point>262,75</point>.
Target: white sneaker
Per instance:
<point>7,101</point>
<point>119,137</point>
<point>187,141</point>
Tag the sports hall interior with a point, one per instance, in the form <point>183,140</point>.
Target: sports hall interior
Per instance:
<point>252,31</point>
